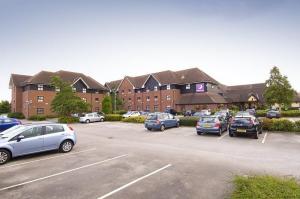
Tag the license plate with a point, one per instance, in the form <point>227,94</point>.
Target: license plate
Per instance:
<point>241,130</point>
<point>206,125</point>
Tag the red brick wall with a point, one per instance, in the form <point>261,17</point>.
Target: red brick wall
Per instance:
<point>126,85</point>
<point>16,99</point>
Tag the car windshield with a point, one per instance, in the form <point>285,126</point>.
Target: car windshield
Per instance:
<point>208,119</point>
<point>12,131</point>
<point>152,117</point>
<point>242,120</point>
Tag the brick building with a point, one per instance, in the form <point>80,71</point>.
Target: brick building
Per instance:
<point>190,89</point>
<point>32,95</point>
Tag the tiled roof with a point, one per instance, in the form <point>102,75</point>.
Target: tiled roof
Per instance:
<point>297,97</point>
<point>201,98</point>
<point>241,93</point>
<point>44,77</point>
<point>17,79</point>
<point>113,85</point>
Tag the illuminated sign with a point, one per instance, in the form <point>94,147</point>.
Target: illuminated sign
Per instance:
<point>200,88</point>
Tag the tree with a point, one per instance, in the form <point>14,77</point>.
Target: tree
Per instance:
<point>107,105</point>
<point>4,107</point>
<point>278,89</point>
<point>116,100</point>
<point>66,102</point>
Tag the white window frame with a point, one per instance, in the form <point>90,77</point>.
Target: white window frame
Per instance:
<point>57,89</point>
<point>73,89</point>
<point>40,100</point>
<point>155,88</point>
<point>84,99</point>
<point>40,87</point>
<point>155,98</point>
<point>168,97</point>
<point>148,98</point>
<point>188,86</point>
<point>84,90</point>
<point>169,87</point>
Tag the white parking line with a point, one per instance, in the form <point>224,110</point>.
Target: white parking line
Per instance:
<point>225,134</point>
<point>265,137</point>
<point>61,173</point>
<point>133,182</point>
<point>38,160</point>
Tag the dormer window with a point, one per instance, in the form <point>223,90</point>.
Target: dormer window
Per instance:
<point>129,91</point>
<point>40,87</point>
<point>188,87</point>
<point>168,87</point>
<point>84,90</point>
<point>147,90</point>
<point>155,88</point>
<point>73,89</point>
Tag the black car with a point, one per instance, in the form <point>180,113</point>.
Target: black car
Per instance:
<point>273,114</point>
<point>171,111</point>
<point>247,125</point>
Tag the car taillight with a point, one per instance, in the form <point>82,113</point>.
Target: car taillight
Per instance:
<point>217,125</point>
<point>198,124</point>
<point>157,122</point>
<point>70,128</point>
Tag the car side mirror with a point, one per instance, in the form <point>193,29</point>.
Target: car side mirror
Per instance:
<point>20,137</point>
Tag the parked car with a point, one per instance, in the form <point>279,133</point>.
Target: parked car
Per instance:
<point>225,114</point>
<point>6,123</point>
<point>242,114</point>
<point>211,124</point>
<point>273,114</point>
<point>247,124</point>
<point>131,114</point>
<point>171,111</point>
<point>161,121</point>
<point>206,112</point>
<point>91,117</point>
<point>29,139</point>
<point>198,114</point>
<point>251,111</point>
<point>188,113</point>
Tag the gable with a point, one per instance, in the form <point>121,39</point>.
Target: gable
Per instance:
<point>125,85</point>
<point>79,85</point>
<point>151,83</point>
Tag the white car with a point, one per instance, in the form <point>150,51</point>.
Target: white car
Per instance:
<point>91,117</point>
<point>205,112</point>
<point>131,114</point>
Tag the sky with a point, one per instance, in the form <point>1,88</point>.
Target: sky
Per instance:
<point>234,41</point>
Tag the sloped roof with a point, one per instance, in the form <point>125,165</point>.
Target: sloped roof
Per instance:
<point>201,98</point>
<point>113,85</point>
<point>241,93</point>
<point>17,80</point>
<point>44,77</point>
<point>297,97</point>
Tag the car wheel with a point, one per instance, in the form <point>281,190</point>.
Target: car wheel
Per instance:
<point>149,129</point>
<point>199,133</point>
<point>162,127</point>
<point>255,136</point>
<point>101,120</point>
<point>4,156</point>
<point>220,132</point>
<point>177,125</point>
<point>66,146</point>
<point>87,121</point>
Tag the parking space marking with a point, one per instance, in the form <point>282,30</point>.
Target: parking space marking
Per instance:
<point>134,181</point>
<point>225,134</point>
<point>38,160</point>
<point>265,137</point>
<point>61,173</point>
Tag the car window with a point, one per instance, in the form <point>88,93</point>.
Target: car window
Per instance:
<point>152,117</point>
<point>32,132</point>
<point>208,119</point>
<point>7,121</point>
<point>54,129</point>
<point>171,116</point>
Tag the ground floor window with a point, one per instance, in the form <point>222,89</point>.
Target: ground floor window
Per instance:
<point>156,108</point>
<point>39,111</point>
<point>40,98</point>
<point>129,108</point>
<point>138,108</point>
<point>97,109</point>
<point>147,108</point>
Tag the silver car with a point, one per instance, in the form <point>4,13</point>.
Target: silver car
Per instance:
<point>91,117</point>
<point>27,139</point>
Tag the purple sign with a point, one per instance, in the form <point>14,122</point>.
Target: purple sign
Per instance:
<point>200,88</point>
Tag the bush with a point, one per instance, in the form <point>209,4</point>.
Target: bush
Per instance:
<point>291,113</point>
<point>68,120</point>
<point>188,121</point>
<point>16,115</point>
<point>37,118</point>
<point>261,113</point>
<point>113,117</point>
<point>120,112</point>
<point>138,119</point>
<point>280,125</point>
<point>51,116</point>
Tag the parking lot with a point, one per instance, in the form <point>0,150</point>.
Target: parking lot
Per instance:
<point>122,160</point>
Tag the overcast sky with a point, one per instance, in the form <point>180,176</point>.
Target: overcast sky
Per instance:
<point>234,41</point>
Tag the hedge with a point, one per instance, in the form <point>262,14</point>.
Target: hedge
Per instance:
<point>113,117</point>
<point>37,118</point>
<point>289,113</point>
<point>16,115</point>
<point>137,119</point>
<point>68,120</point>
<point>120,112</point>
<point>188,121</point>
<point>280,125</point>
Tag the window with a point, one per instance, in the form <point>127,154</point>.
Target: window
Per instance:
<point>155,98</point>
<point>40,98</point>
<point>188,86</point>
<point>97,99</point>
<point>168,97</point>
<point>155,88</point>
<point>54,129</point>
<point>84,99</point>
<point>122,92</point>
<point>40,87</point>
<point>32,132</point>
<point>148,99</point>
<point>129,91</point>
<point>155,108</point>
<point>147,90</point>
<point>129,108</point>
<point>138,108</point>
<point>138,91</point>
<point>139,99</point>
<point>40,111</point>
<point>147,108</point>
<point>168,87</point>
<point>97,109</point>
<point>129,100</point>
<point>57,89</point>
<point>97,92</point>
<point>84,90</point>
<point>74,89</point>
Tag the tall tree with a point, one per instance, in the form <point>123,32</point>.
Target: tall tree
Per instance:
<point>66,102</point>
<point>278,89</point>
<point>107,105</point>
<point>4,107</point>
<point>116,102</point>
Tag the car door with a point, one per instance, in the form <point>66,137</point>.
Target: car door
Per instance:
<point>31,143</point>
<point>97,117</point>
<point>173,121</point>
<point>53,135</point>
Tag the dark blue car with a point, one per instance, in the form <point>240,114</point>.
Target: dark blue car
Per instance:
<point>6,123</point>
<point>161,121</point>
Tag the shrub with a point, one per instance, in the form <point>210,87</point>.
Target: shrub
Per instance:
<point>113,117</point>
<point>138,119</point>
<point>261,113</point>
<point>68,120</point>
<point>37,118</point>
<point>16,115</point>
<point>297,126</point>
<point>280,125</point>
<point>51,116</point>
<point>291,113</point>
<point>120,112</point>
<point>188,121</point>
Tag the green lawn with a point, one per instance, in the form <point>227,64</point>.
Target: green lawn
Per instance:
<point>265,187</point>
